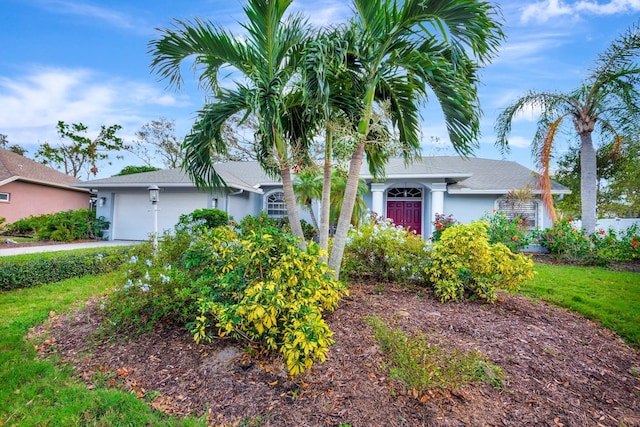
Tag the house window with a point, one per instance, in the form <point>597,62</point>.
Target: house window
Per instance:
<point>4,197</point>
<point>527,210</point>
<point>275,205</point>
<point>404,193</point>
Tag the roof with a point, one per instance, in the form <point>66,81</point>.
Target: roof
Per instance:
<point>468,175</point>
<point>464,176</point>
<point>247,176</point>
<point>14,167</point>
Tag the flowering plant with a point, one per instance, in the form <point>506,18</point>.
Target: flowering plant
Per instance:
<point>441,223</point>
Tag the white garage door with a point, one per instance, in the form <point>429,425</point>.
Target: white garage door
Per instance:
<point>133,214</point>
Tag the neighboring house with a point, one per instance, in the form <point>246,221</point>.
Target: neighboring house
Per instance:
<point>31,188</point>
<point>410,195</point>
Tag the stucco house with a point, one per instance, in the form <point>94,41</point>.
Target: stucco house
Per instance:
<point>31,188</point>
<point>411,195</point>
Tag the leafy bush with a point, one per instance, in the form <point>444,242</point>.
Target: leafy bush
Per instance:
<point>441,223</point>
<point>249,222</point>
<point>380,251</point>
<point>512,233</point>
<point>464,264</point>
<point>613,246</point>
<point>253,283</point>
<point>211,218</point>
<point>61,226</point>
<point>567,242</point>
<point>260,286</point>
<point>24,274</point>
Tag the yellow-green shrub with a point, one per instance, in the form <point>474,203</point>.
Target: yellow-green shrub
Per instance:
<point>464,264</point>
<point>262,287</point>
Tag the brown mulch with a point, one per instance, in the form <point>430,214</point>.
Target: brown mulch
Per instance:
<point>560,369</point>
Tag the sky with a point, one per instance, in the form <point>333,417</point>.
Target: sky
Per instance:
<point>86,61</point>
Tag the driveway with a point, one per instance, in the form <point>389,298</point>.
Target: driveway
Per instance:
<point>7,249</point>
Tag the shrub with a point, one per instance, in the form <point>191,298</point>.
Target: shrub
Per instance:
<point>211,218</point>
<point>512,233</point>
<point>441,223</point>
<point>24,274</point>
<point>253,283</point>
<point>567,242</point>
<point>613,246</point>
<point>61,226</point>
<point>464,264</point>
<point>380,251</point>
<point>262,287</point>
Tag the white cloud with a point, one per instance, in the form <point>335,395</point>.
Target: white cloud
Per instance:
<point>110,16</point>
<point>551,9</point>
<point>519,141</point>
<point>323,12</point>
<point>33,103</point>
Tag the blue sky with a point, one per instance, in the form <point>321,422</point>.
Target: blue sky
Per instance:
<point>86,61</point>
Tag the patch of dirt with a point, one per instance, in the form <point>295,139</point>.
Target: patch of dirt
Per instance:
<point>560,369</point>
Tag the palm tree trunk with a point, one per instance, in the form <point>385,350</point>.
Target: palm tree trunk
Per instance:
<point>346,212</point>
<point>588,182</point>
<point>292,207</point>
<point>325,205</point>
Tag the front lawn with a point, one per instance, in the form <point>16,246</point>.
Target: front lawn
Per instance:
<point>39,392</point>
<point>609,297</point>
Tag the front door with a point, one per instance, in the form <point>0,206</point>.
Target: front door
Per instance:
<point>406,213</point>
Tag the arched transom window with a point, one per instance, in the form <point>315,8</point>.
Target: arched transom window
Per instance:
<point>404,193</point>
<point>275,205</point>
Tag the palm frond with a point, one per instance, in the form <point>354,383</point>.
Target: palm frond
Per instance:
<point>544,160</point>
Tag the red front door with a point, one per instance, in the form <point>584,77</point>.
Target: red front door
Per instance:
<point>406,213</point>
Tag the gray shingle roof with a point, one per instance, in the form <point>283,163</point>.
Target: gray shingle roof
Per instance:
<point>16,167</point>
<point>241,175</point>
<point>470,175</point>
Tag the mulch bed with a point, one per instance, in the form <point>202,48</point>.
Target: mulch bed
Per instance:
<point>560,369</point>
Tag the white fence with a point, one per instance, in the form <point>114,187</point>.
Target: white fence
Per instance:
<point>617,224</point>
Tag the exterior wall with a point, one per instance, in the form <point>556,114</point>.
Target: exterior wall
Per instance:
<point>32,199</point>
<point>467,208</point>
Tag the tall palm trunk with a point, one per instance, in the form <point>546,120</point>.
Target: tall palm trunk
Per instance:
<point>346,212</point>
<point>292,207</point>
<point>588,182</point>
<point>325,206</point>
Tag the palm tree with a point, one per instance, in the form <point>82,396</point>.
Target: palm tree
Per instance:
<point>397,51</point>
<point>308,187</point>
<point>607,100</point>
<point>267,59</point>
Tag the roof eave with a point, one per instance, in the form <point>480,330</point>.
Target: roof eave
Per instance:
<point>71,186</point>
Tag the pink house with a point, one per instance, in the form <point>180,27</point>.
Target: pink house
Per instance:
<point>31,188</point>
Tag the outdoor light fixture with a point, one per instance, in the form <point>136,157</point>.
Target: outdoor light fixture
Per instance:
<point>154,196</point>
<point>154,193</point>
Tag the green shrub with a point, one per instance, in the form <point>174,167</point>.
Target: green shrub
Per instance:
<point>211,218</point>
<point>253,283</point>
<point>61,226</point>
<point>250,222</point>
<point>464,264</point>
<point>512,233</point>
<point>441,223</point>
<point>613,246</point>
<point>567,242</point>
<point>261,287</point>
<point>379,251</point>
<point>24,274</point>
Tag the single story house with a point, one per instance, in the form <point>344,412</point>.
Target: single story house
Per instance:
<point>31,188</point>
<point>411,195</point>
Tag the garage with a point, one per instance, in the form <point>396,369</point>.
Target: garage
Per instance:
<point>133,213</point>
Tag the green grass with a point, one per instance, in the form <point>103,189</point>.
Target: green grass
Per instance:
<point>609,297</point>
<point>36,392</point>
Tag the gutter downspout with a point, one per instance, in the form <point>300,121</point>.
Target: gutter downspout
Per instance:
<point>234,193</point>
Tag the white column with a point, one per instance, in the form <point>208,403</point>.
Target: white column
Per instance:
<point>437,198</point>
<point>377,198</point>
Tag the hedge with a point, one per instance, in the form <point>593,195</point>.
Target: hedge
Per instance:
<point>34,272</point>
